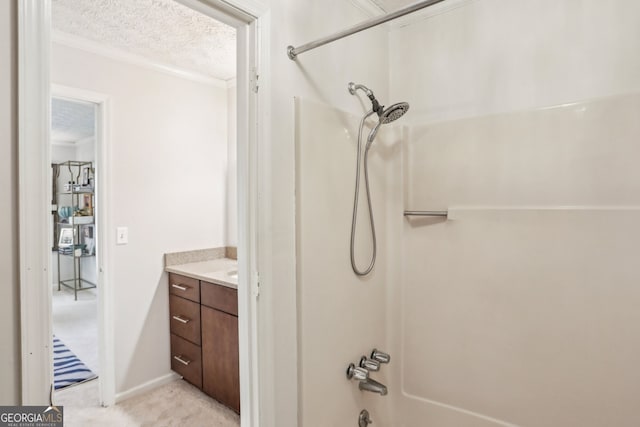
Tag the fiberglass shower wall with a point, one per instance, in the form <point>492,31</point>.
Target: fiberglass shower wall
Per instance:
<point>342,316</point>
<point>521,309</point>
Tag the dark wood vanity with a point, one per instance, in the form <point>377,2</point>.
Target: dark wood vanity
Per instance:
<point>204,337</point>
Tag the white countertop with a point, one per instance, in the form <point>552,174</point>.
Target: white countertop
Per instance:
<point>217,271</point>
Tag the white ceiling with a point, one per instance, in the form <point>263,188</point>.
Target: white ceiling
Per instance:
<point>71,121</point>
<point>162,31</point>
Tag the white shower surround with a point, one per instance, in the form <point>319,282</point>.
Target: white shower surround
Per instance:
<point>339,311</point>
<point>518,310</point>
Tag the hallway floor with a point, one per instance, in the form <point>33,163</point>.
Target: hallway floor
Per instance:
<point>75,323</point>
<point>175,404</point>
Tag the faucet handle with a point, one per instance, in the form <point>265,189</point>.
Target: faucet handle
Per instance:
<point>369,364</point>
<point>380,356</point>
<point>356,373</point>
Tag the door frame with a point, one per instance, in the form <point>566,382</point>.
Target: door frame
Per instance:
<point>102,145</point>
<point>251,19</point>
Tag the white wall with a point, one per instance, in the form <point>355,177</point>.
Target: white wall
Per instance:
<point>86,150</point>
<point>320,75</point>
<point>231,237</point>
<point>9,291</point>
<point>490,56</point>
<point>521,308</point>
<point>62,153</point>
<point>168,148</point>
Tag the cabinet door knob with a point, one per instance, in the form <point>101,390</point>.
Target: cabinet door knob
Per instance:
<point>181,360</point>
<point>182,288</point>
<point>181,319</point>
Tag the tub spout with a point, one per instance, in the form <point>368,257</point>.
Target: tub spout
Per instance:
<point>373,386</point>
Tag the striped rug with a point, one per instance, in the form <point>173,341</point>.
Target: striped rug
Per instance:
<point>67,368</point>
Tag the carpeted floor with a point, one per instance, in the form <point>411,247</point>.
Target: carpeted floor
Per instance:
<point>76,323</point>
<point>176,404</point>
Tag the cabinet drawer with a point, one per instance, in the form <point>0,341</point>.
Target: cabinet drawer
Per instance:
<point>184,317</point>
<point>184,287</point>
<point>186,359</point>
<point>220,297</point>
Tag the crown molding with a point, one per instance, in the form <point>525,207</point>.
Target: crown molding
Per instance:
<point>429,12</point>
<point>61,143</point>
<point>72,144</point>
<point>369,7</point>
<point>372,9</point>
<point>83,141</point>
<point>90,46</point>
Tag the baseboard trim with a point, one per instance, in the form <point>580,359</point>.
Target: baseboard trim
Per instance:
<point>148,386</point>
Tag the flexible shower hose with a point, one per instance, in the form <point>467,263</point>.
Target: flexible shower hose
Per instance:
<point>355,203</point>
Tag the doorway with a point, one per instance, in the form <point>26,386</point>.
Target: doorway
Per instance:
<point>74,234</point>
<point>36,263</point>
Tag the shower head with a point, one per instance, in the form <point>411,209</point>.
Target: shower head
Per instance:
<point>394,112</point>
<point>389,115</point>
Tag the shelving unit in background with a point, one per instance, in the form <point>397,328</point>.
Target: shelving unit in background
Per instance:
<point>75,210</point>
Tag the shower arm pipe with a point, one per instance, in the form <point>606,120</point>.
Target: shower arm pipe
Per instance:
<point>293,52</point>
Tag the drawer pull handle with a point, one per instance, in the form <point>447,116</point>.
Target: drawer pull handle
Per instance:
<point>182,288</point>
<point>181,360</point>
<point>181,319</point>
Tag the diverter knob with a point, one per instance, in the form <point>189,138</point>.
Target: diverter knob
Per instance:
<point>380,356</point>
<point>369,364</point>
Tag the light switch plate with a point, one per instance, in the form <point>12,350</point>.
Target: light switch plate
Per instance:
<point>122,235</point>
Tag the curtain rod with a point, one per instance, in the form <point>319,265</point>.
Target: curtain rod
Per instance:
<point>293,52</point>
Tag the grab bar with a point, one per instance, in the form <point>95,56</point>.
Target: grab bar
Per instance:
<point>426,213</point>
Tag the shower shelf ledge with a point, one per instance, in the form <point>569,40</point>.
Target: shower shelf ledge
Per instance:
<point>426,213</point>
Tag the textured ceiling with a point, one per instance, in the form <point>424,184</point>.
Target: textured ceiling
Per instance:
<point>160,30</point>
<point>71,121</point>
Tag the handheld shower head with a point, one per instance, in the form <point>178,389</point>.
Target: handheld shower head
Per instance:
<point>389,115</point>
<point>394,112</point>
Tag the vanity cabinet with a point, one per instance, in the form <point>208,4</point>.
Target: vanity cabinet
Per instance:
<point>204,337</point>
<point>220,373</point>
<point>184,318</point>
